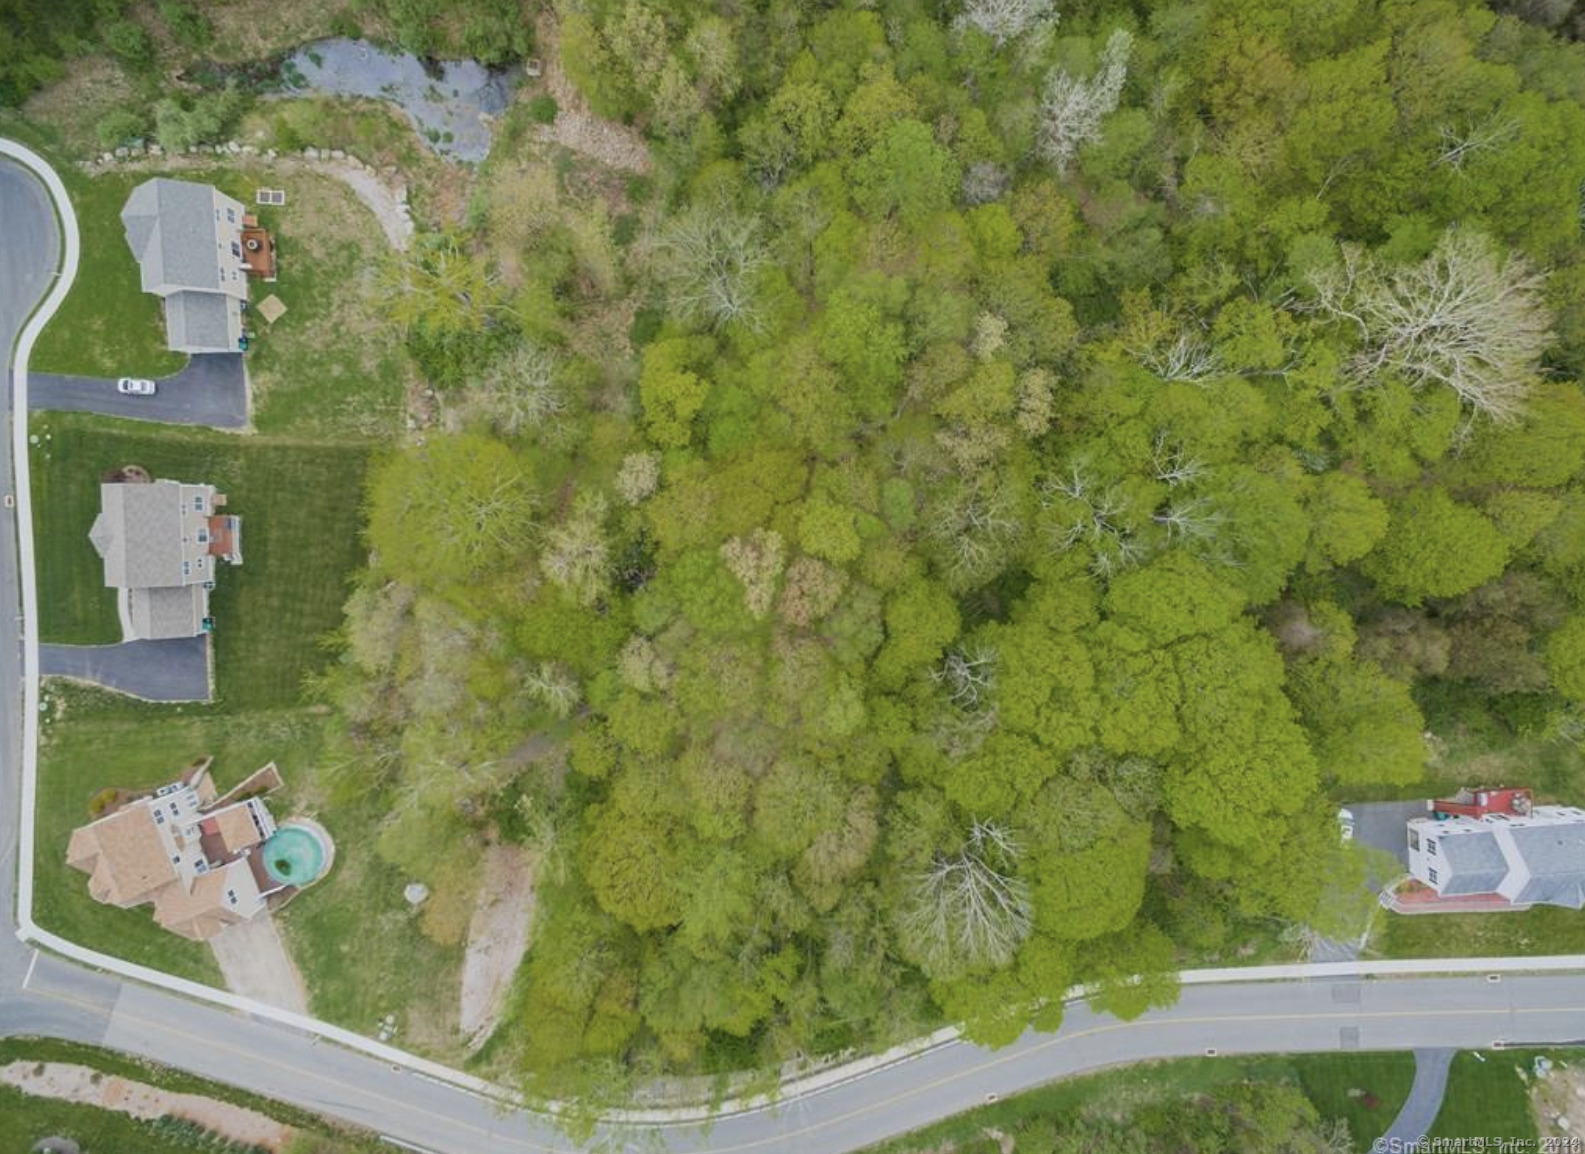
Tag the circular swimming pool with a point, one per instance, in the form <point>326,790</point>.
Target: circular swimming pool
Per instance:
<point>294,856</point>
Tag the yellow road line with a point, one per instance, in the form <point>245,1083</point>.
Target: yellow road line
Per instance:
<point>978,1068</point>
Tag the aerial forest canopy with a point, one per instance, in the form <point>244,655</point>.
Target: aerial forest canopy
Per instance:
<point>960,524</point>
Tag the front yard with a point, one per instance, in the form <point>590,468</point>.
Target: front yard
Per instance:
<point>300,505</point>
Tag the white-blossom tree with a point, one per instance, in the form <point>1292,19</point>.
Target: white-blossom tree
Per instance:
<point>1071,110</point>
<point>1468,317</point>
<point>1004,20</point>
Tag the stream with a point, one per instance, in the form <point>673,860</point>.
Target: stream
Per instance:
<point>452,103</point>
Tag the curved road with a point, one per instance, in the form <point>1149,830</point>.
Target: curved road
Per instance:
<point>42,994</point>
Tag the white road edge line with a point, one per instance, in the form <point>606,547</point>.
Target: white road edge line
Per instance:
<point>28,977</point>
<point>791,1090</point>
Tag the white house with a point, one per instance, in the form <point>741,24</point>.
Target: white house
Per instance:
<point>1499,842</point>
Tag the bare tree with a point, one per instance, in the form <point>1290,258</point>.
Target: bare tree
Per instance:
<point>519,391</point>
<point>1004,20</point>
<point>577,554</point>
<point>1071,110</point>
<point>1459,144</point>
<point>1082,512</point>
<point>1466,317</point>
<point>1187,358</point>
<point>710,257</point>
<point>968,909</point>
<point>969,677</point>
<point>1172,465</point>
<point>550,684</point>
<point>1191,518</point>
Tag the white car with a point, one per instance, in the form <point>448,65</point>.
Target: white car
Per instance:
<point>135,387</point>
<point>1345,823</point>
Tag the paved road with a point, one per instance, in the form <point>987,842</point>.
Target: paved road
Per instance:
<point>40,994</point>
<point>175,670</point>
<point>1424,1102</point>
<point>211,390</point>
<point>27,257</point>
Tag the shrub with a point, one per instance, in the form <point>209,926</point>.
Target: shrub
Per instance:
<point>129,43</point>
<point>543,109</point>
<point>188,26</point>
<point>120,127</point>
<point>100,802</point>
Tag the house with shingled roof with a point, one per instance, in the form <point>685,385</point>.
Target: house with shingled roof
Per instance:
<point>161,543</point>
<point>197,858</point>
<point>188,241</point>
<point>1498,844</point>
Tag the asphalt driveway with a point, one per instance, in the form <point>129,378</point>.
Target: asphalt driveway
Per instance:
<point>153,670</point>
<point>212,390</point>
<point>1380,825</point>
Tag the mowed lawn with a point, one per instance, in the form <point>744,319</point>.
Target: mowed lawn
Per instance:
<point>329,367</point>
<point>300,506</point>
<point>90,740</point>
<point>107,326</point>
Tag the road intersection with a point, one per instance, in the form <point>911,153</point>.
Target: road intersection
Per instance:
<point>76,994</point>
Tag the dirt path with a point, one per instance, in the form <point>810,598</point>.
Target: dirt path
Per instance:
<point>92,1088</point>
<point>256,965</point>
<point>575,127</point>
<point>497,938</point>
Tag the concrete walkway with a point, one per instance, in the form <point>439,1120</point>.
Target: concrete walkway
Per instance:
<point>176,670</point>
<point>1424,1102</point>
<point>212,390</point>
<point>255,964</point>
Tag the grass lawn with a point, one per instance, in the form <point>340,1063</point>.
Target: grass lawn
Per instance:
<point>25,1119</point>
<point>151,745</point>
<point>1538,931</point>
<point>107,326</point>
<point>1488,1099</point>
<point>359,944</point>
<point>329,367</point>
<point>1326,1080</point>
<point>299,504</point>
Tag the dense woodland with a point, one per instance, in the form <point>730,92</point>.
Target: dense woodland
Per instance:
<point>1052,447</point>
<point>960,525</point>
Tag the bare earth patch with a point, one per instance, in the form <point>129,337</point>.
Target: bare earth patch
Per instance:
<point>575,127</point>
<point>255,963</point>
<point>497,937</point>
<point>88,1087</point>
<point>1559,1103</point>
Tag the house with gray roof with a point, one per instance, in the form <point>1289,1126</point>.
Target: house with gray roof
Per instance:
<point>187,239</point>
<point>161,543</point>
<point>1498,844</point>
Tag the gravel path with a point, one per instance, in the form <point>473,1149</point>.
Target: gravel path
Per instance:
<point>497,938</point>
<point>89,1087</point>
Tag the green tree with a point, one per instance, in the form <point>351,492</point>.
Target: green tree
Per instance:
<point>450,511</point>
<point>1435,547</point>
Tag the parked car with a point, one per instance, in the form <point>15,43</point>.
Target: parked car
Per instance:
<point>135,387</point>
<point>1345,824</point>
